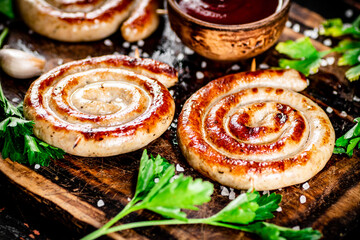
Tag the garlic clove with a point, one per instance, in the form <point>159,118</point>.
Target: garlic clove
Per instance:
<point>20,64</point>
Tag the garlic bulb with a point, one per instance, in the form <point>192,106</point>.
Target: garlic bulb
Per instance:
<point>20,64</point>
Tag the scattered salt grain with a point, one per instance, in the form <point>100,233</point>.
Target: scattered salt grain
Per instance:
<point>30,32</point>
<point>329,110</point>
<point>100,203</point>
<point>145,55</point>
<point>199,75</point>
<point>288,24</point>
<point>266,192</point>
<point>311,33</point>
<point>263,66</point>
<point>203,64</point>
<point>359,58</point>
<point>37,166</point>
<point>302,199</point>
<point>356,98</point>
<point>296,27</point>
<point>188,51</point>
<point>343,114</point>
<point>134,47</point>
<point>349,13</point>
<point>330,60</point>
<point>60,61</point>
<point>179,168</point>
<point>323,63</point>
<point>156,180</point>
<point>327,42</point>
<point>180,56</point>
<point>306,186</point>
<point>141,43</point>
<point>108,42</point>
<point>129,199</point>
<point>296,228</point>
<point>235,67</point>
<point>232,195</point>
<point>15,100</point>
<point>225,191</point>
<point>279,209</point>
<point>335,92</point>
<point>126,44</point>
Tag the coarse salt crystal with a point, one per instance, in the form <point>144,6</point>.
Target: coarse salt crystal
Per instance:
<point>296,27</point>
<point>266,192</point>
<point>134,47</point>
<point>279,209</point>
<point>60,61</point>
<point>188,51</point>
<point>179,168</point>
<point>349,13</point>
<point>203,64</point>
<point>306,186</point>
<point>288,24</point>
<point>141,43</point>
<point>296,228</point>
<point>356,98</point>
<point>323,62</point>
<point>235,67</point>
<point>311,33</point>
<point>180,56</point>
<point>330,60</point>
<point>126,44</point>
<point>232,195</point>
<point>145,55</point>
<point>335,92</point>
<point>199,75</point>
<point>343,114</point>
<point>129,199</point>
<point>15,100</point>
<point>37,166</point>
<point>30,32</point>
<point>359,58</point>
<point>329,110</point>
<point>108,42</point>
<point>302,199</point>
<point>327,42</point>
<point>225,192</point>
<point>100,203</point>
<point>263,66</point>
<point>156,180</point>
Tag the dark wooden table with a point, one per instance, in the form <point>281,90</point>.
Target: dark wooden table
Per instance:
<point>30,212</point>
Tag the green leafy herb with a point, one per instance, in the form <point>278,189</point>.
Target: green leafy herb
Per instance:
<point>6,8</point>
<point>348,142</point>
<point>158,191</point>
<point>16,135</point>
<point>336,28</point>
<point>307,57</point>
<point>3,35</point>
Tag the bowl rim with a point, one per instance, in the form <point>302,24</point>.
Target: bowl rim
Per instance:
<point>285,6</point>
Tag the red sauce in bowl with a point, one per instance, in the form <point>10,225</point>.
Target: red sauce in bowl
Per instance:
<point>229,12</point>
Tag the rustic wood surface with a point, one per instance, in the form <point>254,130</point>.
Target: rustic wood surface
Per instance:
<point>68,190</point>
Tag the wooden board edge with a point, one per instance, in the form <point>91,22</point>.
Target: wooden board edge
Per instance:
<point>44,188</point>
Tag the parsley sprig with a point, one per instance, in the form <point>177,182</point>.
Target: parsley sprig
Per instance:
<point>6,8</point>
<point>17,140</point>
<point>348,142</point>
<point>157,190</point>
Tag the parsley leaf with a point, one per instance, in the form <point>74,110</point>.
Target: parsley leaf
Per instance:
<point>16,135</point>
<point>6,8</point>
<point>168,196</point>
<point>308,58</point>
<point>336,28</point>
<point>348,142</point>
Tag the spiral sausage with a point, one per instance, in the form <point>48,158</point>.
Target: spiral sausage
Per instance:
<point>101,106</point>
<point>88,20</point>
<point>251,130</point>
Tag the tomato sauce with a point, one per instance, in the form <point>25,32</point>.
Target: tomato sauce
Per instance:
<point>229,12</point>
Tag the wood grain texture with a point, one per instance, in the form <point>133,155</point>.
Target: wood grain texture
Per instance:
<point>71,188</point>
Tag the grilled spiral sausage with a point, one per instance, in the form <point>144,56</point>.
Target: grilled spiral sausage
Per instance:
<point>88,20</point>
<point>251,130</point>
<point>102,106</point>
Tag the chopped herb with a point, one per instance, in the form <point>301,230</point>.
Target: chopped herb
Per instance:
<point>336,28</point>
<point>307,57</point>
<point>6,8</point>
<point>17,140</point>
<point>169,196</point>
<point>348,142</point>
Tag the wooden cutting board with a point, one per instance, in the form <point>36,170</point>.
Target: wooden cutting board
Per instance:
<point>69,190</point>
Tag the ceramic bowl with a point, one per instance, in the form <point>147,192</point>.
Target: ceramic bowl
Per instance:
<point>227,42</point>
